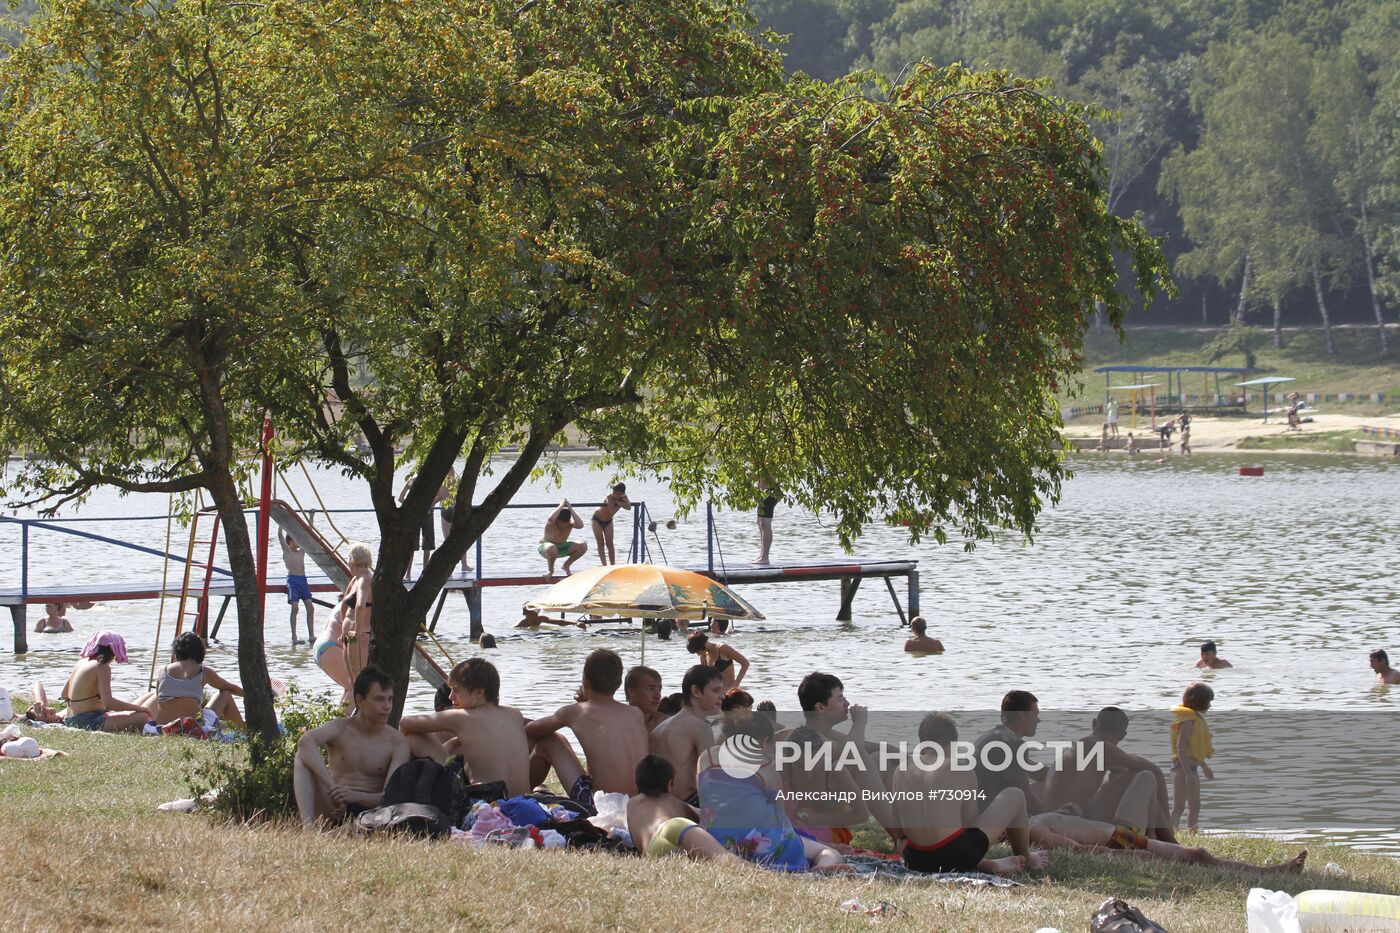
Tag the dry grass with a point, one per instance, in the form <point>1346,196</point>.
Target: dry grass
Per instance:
<point>88,850</point>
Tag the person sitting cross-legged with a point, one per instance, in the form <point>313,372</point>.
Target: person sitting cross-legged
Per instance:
<point>363,751</point>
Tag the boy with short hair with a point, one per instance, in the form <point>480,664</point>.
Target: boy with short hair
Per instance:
<point>659,823</point>
<point>642,688</point>
<point>681,738</point>
<point>1211,659</point>
<point>613,735</point>
<point>298,589</point>
<point>492,737</point>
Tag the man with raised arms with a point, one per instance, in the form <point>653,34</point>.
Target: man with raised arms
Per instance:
<point>363,751</point>
<point>681,738</point>
<point>937,808</point>
<point>1105,778</point>
<point>492,737</point>
<point>613,735</point>
<point>642,688</point>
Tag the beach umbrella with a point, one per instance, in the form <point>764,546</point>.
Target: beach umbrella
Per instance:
<point>648,591</point>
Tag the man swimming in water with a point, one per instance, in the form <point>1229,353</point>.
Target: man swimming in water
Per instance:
<point>555,543</point>
<point>1380,663</point>
<point>1210,659</point>
<point>918,641</point>
<point>603,522</point>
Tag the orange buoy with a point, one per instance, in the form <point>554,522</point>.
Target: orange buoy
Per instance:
<point>1252,471</point>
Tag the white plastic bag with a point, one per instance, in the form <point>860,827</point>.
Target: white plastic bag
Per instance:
<point>612,810</point>
<point>1271,912</point>
<point>20,748</point>
<point>7,709</point>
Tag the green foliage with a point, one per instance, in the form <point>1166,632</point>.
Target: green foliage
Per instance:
<point>1239,339</point>
<point>253,782</point>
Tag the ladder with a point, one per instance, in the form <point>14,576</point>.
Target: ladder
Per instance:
<point>192,605</point>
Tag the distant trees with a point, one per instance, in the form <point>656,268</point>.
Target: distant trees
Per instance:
<point>1278,192</point>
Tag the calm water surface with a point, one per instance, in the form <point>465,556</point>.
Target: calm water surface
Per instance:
<point>1292,573</point>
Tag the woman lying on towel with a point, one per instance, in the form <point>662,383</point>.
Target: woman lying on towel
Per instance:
<point>88,689</point>
<point>179,692</point>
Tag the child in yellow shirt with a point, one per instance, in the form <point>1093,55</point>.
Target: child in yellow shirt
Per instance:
<point>1191,746</point>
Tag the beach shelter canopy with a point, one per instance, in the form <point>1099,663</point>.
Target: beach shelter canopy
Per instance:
<point>1144,385</point>
<point>651,591</point>
<point>1266,381</point>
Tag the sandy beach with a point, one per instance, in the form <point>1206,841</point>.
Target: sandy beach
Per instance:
<point>1216,434</point>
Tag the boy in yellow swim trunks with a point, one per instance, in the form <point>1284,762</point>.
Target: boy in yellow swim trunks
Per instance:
<point>1191,746</point>
<point>660,823</point>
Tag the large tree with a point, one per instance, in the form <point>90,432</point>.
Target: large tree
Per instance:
<point>521,216</point>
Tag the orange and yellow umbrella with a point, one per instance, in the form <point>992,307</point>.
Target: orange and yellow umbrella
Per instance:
<point>649,591</point>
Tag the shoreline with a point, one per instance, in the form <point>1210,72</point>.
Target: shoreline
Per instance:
<point>1213,434</point>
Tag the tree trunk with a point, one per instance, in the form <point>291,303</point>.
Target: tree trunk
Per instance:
<point>1244,292</point>
<point>1204,317</point>
<point>1322,307</point>
<point>1278,324</point>
<point>1371,280</point>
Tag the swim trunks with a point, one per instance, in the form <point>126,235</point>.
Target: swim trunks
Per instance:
<point>562,549</point>
<point>668,836</point>
<point>297,588</point>
<point>93,720</point>
<point>1126,838</point>
<point>582,791</point>
<point>766,507</point>
<point>962,851</point>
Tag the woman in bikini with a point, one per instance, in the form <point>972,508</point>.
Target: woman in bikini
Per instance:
<point>179,692</point>
<point>721,657</point>
<point>343,647</point>
<point>88,690</point>
<point>603,522</point>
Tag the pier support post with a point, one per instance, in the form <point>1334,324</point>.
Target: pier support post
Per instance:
<point>473,597</point>
<point>437,613</point>
<point>849,585</point>
<point>913,600</point>
<point>17,615</point>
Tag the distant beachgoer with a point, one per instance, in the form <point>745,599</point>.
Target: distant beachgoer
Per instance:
<point>362,749</point>
<point>54,620</point>
<point>88,690</point>
<point>660,823</point>
<point>1380,663</point>
<point>681,738</point>
<point>486,642</point>
<point>642,689</point>
<point>491,737</point>
<point>722,658</point>
<point>298,590</point>
<point>555,543</point>
<point>448,512</point>
<point>1132,445</point>
<point>938,811</point>
<point>721,626</point>
<point>603,522</point>
<point>1103,441</point>
<point>613,735</point>
<point>179,692</point>
<point>343,645</point>
<point>1294,422</point>
<point>1164,435</point>
<point>1185,434</point>
<point>428,538</point>
<point>765,520</point>
<point>1191,746</point>
<point>1210,658</point>
<point>919,641</point>
<point>1110,411</point>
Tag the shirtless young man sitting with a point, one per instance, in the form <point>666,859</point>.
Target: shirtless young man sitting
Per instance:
<point>363,751</point>
<point>660,823</point>
<point>642,688</point>
<point>1101,786</point>
<point>682,738</point>
<point>918,641</point>
<point>948,834</point>
<point>492,737</point>
<point>613,735</point>
<point>603,522</point>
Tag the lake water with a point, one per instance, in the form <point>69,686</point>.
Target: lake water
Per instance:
<point>1292,573</point>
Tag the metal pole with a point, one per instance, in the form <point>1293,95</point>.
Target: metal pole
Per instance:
<point>24,560</point>
<point>710,534</point>
<point>913,599</point>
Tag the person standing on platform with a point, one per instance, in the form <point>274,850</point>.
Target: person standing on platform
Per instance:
<point>298,590</point>
<point>765,521</point>
<point>555,543</point>
<point>429,539</point>
<point>603,522</point>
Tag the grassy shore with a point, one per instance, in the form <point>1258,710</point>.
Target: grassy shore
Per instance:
<point>89,850</point>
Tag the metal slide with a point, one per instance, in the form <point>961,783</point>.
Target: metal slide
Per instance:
<point>319,551</point>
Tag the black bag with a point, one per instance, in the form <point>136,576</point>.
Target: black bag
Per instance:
<point>423,781</point>
<point>414,819</point>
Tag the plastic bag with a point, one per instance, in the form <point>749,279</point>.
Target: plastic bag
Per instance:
<point>1271,912</point>
<point>1116,915</point>
<point>612,811</point>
